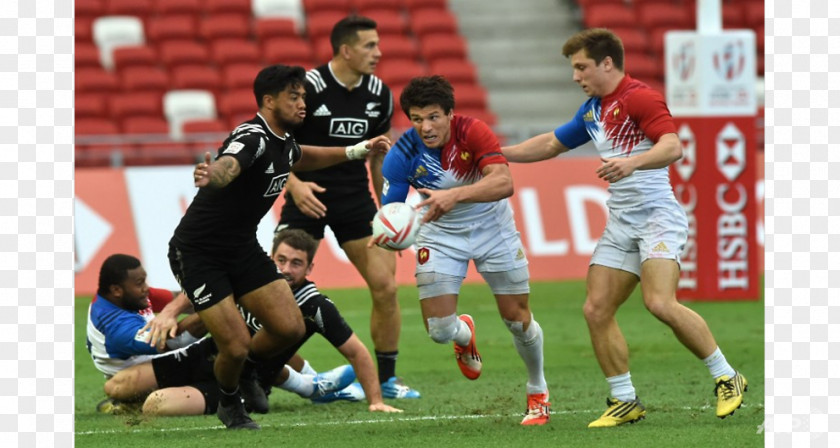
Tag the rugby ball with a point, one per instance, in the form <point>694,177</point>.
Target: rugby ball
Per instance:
<point>395,226</point>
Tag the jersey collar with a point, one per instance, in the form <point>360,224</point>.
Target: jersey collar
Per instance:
<point>332,73</point>
<point>265,123</point>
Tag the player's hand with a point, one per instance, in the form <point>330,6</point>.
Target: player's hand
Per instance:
<point>382,407</point>
<point>303,193</point>
<point>615,169</point>
<point>379,146</point>
<point>201,174</point>
<point>439,203</point>
<point>160,328</point>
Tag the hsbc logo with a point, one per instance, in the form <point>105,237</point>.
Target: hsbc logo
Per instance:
<point>685,167</point>
<point>684,60</point>
<point>729,61</point>
<point>348,128</point>
<point>731,152</point>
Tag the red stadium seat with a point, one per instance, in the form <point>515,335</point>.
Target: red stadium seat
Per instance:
<point>754,12</point>
<point>239,7</point>
<point>657,39</point>
<point>265,29</point>
<point>175,27</point>
<point>235,51</point>
<point>134,56</point>
<point>83,30</point>
<point>733,16</point>
<point>175,53</point>
<point>95,126</point>
<point>399,72</point>
<point>643,66</point>
<point>399,121</point>
<point>319,6</point>
<point>365,6</point>
<point>654,83</point>
<point>151,80</point>
<point>634,39</point>
<point>470,96</point>
<point>86,56</point>
<point>237,103</point>
<point>609,16</point>
<point>455,70</point>
<point>145,125</point>
<point>224,26</point>
<point>168,7</point>
<point>205,126</point>
<point>196,77</point>
<point>388,22</point>
<point>586,3</point>
<point>239,76</point>
<point>135,105</point>
<point>652,15</point>
<point>399,47</point>
<point>287,50</point>
<point>95,80</point>
<point>427,22</point>
<point>89,9</point>
<point>417,5</point>
<point>323,50</point>
<point>137,8</point>
<point>320,24</point>
<point>483,114</point>
<point>759,39</point>
<point>442,46</point>
<point>161,153</point>
<point>235,120</point>
<point>90,105</point>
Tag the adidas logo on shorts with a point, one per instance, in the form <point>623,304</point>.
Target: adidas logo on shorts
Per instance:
<point>661,247</point>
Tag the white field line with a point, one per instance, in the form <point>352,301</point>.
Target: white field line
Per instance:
<point>371,421</point>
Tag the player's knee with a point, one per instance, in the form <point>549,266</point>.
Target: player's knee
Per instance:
<point>443,329</point>
<point>525,332</point>
<point>595,312</point>
<point>235,350</point>
<point>662,309</point>
<point>154,404</point>
<point>117,386</point>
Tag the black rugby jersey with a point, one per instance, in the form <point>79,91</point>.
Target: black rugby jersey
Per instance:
<point>338,117</point>
<point>228,217</point>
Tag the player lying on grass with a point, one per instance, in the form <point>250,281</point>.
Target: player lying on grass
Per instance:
<point>457,166</point>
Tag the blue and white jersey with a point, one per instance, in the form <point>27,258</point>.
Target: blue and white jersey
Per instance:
<point>471,147</point>
<point>627,122</point>
<point>113,336</point>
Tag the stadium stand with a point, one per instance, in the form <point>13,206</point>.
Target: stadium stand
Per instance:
<point>183,105</point>
<point>110,32</point>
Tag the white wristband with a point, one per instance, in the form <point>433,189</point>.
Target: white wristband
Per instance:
<point>357,151</point>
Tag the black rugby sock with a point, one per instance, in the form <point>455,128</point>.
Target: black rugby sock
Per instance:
<point>387,363</point>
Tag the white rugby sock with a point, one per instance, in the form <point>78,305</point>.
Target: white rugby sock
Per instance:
<point>307,369</point>
<point>621,387</point>
<point>298,383</point>
<point>529,345</point>
<point>717,365</point>
<point>463,335</point>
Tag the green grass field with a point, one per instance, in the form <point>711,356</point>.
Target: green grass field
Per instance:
<point>675,386</point>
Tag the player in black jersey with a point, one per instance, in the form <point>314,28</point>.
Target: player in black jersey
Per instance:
<point>214,252</point>
<point>346,102</point>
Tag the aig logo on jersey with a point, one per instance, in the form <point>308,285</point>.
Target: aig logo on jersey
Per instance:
<point>348,127</point>
<point>276,185</point>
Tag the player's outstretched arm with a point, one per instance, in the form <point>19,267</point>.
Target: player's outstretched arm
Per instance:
<point>359,357</point>
<point>542,147</point>
<point>303,193</point>
<point>665,152</point>
<point>317,157</point>
<point>216,174</point>
<point>165,323</point>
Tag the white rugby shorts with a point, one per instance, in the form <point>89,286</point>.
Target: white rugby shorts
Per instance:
<point>492,242</point>
<point>634,235</point>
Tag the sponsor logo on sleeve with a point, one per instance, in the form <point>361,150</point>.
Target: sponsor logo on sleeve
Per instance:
<point>233,148</point>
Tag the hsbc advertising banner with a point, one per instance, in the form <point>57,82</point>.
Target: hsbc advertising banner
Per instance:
<point>710,81</point>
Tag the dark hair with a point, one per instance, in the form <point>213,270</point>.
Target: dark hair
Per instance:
<point>297,239</point>
<point>114,271</point>
<point>425,91</point>
<point>273,79</point>
<point>345,31</point>
<point>598,43</point>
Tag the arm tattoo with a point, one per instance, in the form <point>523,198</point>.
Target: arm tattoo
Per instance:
<point>223,172</point>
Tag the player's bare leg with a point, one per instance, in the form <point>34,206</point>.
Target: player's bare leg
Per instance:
<point>185,400</point>
<point>606,290</point>
<point>282,322</point>
<point>378,267</point>
<point>659,290</point>
<point>132,383</point>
